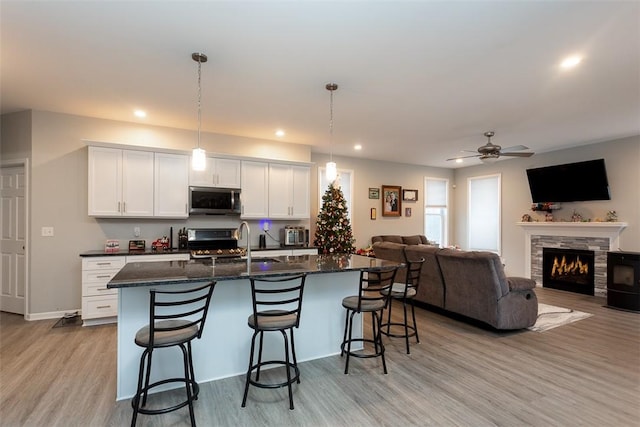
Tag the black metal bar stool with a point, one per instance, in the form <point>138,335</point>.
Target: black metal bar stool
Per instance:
<point>404,292</point>
<point>277,303</point>
<point>175,319</point>
<point>370,299</point>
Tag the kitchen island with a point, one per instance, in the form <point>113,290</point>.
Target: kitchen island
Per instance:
<point>223,350</point>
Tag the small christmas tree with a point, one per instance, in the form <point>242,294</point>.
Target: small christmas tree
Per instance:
<point>333,228</point>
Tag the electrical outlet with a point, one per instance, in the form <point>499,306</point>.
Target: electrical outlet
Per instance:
<point>136,231</point>
<point>47,231</point>
<point>265,226</point>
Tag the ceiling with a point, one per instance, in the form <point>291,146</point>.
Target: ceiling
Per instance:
<point>418,81</point>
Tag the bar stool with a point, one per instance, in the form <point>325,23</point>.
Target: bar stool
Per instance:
<point>277,304</point>
<point>175,319</point>
<point>370,299</point>
<point>404,292</point>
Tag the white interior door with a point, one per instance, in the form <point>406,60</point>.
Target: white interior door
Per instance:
<point>12,220</point>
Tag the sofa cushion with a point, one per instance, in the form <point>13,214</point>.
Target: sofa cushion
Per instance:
<point>412,240</point>
<point>392,238</point>
<point>390,251</point>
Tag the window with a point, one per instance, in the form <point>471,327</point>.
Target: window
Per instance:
<point>436,210</point>
<point>345,178</point>
<point>483,213</point>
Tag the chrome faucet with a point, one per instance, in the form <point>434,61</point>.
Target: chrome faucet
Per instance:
<point>246,224</point>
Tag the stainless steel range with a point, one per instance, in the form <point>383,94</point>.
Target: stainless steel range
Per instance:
<point>213,243</point>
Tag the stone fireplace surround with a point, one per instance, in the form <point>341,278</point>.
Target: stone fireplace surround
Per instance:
<point>599,237</point>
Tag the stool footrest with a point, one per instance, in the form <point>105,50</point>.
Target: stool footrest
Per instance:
<point>353,353</point>
<point>412,330</point>
<point>294,378</point>
<point>136,398</point>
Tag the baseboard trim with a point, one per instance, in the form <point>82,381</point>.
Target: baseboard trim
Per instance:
<point>49,315</point>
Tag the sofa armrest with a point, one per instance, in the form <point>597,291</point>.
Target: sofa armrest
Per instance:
<point>520,283</point>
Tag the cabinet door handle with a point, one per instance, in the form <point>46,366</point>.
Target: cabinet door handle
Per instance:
<point>118,206</point>
<point>102,289</point>
<point>103,306</point>
<point>103,276</point>
<point>124,207</point>
<point>103,263</point>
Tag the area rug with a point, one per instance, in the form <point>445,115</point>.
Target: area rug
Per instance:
<point>550,316</point>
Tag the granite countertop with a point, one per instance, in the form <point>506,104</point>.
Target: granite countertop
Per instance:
<point>200,270</point>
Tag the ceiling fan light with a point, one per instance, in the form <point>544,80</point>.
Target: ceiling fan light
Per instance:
<point>489,158</point>
<point>198,159</point>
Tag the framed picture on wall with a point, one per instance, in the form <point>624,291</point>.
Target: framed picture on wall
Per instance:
<point>407,212</point>
<point>374,193</point>
<point>391,203</point>
<point>410,195</point>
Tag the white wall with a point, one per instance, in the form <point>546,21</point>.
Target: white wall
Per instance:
<point>59,193</point>
<point>375,174</point>
<point>622,158</point>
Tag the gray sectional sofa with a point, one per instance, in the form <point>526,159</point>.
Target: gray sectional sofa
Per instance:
<point>469,283</point>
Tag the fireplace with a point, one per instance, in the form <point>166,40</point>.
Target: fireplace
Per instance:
<point>599,237</point>
<point>568,270</point>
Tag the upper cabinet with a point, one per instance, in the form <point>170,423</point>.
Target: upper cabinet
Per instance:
<point>141,183</point>
<point>171,185</point>
<point>120,182</point>
<point>255,178</point>
<point>219,172</point>
<point>289,191</point>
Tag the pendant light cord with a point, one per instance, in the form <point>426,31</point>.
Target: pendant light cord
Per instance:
<point>331,126</point>
<point>199,97</point>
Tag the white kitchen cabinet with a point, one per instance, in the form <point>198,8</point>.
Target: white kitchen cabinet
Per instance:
<point>120,182</point>
<point>289,191</point>
<point>171,186</point>
<point>219,172</point>
<point>99,303</point>
<point>255,179</point>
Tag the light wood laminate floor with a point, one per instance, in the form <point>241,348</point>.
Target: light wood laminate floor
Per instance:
<point>586,373</point>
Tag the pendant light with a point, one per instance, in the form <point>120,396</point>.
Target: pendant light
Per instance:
<point>331,168</point>
<point>199,156</point>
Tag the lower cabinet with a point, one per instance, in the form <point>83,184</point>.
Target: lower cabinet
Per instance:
<point>99,303</point>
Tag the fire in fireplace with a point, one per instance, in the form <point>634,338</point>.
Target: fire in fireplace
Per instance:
<point>568,270</point>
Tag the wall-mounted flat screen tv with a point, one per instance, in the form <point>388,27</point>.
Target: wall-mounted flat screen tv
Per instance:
<point>571,182</point>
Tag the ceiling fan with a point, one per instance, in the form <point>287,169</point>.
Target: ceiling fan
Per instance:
<point>489,151</point>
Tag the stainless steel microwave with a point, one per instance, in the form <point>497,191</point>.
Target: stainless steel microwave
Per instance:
<point>214,201</point>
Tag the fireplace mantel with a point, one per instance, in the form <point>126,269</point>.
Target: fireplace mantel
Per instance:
<point>608,230</point>
<point>586,229</point>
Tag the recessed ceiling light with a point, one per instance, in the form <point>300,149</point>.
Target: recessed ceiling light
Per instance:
<point>357,147</point>
<point>459,160</point>
<point>280,133</point>
<point>139,113</point>
<point>570,62</point>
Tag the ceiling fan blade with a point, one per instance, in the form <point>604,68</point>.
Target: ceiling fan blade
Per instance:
<point>517,154</point>
<point>515,148</point>
<point>463,157</point>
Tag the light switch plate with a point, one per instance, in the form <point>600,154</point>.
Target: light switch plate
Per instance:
<point>47,231</point>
